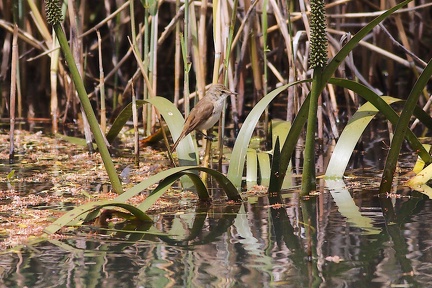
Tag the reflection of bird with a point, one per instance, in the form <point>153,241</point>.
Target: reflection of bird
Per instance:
<point>206,112</point>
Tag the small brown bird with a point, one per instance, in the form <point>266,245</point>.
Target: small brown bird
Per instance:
<point>206,112</point>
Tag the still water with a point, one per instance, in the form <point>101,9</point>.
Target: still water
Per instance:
<point>345,236</point>
<point>249,245</point>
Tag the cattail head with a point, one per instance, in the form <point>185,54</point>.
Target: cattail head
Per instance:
<point>53,12</point>
<point>318,43</point>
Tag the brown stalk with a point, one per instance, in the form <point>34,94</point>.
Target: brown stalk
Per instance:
<point>103,118</point>
<point>197,58</point>
<point>177,57</point>
<point>202,37</point>
<point>13,88</point>
<point>76,47</point>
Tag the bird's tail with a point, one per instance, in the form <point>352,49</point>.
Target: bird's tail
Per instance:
<point>177,142</point>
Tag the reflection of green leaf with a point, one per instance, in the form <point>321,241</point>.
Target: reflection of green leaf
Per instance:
<point>229,214</point>
<point>199,218</point>
<point>350,136</point>
<point>348,208</point>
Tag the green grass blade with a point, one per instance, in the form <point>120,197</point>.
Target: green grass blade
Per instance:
<point>169,177</point>
<point>251,168</point>
<point>423,116</point>
<point>328,72</point>
<point>280,129</point>
<point>199,185</point>
<point>143,185</point>
<point>235,170</point>
<point>229,214</point>
<point>83,210</point>
<point>289,146</point>
<point>88,109</point>
<point>420,179</point>
<point>186,150</point>
<point>167,182</point>
<point>384,108</point>
<point>274,193</point>
<point>264,168</point>
<point>74,140</point>
<point>350,136</point>
<point>175,173</point>
<point>402,129</point>
<point>120,121</point>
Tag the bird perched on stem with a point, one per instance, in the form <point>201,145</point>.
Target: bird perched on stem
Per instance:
<point>206,112</point>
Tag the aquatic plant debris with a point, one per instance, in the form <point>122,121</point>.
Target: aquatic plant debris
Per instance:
<point>51,176</point>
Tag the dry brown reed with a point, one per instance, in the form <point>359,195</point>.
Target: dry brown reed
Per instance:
<point>251,64</point>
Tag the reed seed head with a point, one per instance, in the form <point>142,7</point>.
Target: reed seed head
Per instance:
<point>318,44</point>
<point>53,11</point>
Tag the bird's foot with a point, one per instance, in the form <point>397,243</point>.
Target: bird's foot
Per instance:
<point>209,137</point>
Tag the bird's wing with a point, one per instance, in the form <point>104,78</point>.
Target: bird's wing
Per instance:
<point>204,109</point>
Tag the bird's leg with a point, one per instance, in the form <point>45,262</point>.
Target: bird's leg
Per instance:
<point>206,136</point>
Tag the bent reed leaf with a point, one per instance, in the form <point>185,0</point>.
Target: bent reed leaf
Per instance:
<point>80,213</point>
<point>168,177</point>
<point>235,169</point>
<point>186,151</point>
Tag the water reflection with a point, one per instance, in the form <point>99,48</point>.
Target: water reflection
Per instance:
<point>253,244</point>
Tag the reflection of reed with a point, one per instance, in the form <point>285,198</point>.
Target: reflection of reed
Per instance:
<point>251,243</point>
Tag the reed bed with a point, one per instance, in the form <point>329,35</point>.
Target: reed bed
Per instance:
<point>252,46</point>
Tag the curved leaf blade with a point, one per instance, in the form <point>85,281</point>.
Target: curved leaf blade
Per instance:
<point>251,168</point>
<point>81,212</point>
<point>384,108</point>
<point>173,174</point>
<point>350,136</point>
<point>186,150</point>
<point>235,170</point>
<point>172,116</point>
<point>264,168</point>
